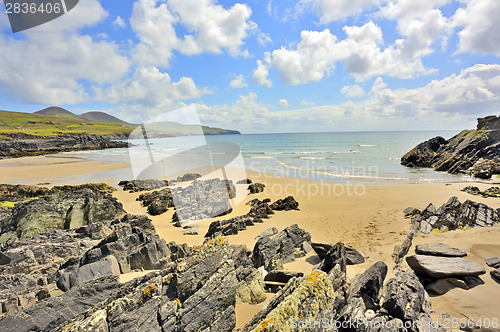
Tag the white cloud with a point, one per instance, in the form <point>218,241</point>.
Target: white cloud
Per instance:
<point>283,103</point>
<point>315,56</point>
<point>472,93</point>
<point>151,88</point>
<point>312,58</point>
<point>154,27</point>
<point>238,82</point>
<point>214,28</point>
<point>353,91</point>
<point>329,11</point>
<point>481,32</point>
<point>304,102</point>
<point>260,75</point>
<point>119,23</point>
<point>264,38</point>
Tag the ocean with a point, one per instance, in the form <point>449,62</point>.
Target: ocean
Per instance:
<point>357,157</point>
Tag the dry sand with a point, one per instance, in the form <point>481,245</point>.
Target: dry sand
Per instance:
<point>368,218</point>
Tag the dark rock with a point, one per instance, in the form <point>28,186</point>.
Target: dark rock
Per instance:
<point>439,249</point>
<point>282,275</point>
<point>353,257</point>
<point>442,267</point>
<point>495,274</point>
<point>286,204</point>
<point>244,181</point>
<point>368,284</point>
<point>142,185</point>
<point>490,192</point>
<point>473,152</point>
<point>455,215</point>
<point>50,313</point>
<point>4,259</point>
<point>189,177</point>
<point>405,298</point>
<point>282,248</point>
<point>103,268</point>
<point>493,262</point>
<point>336,255</point>
<point>256,188</point>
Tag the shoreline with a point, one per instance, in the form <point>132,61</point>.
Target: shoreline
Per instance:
<point>372,223</point>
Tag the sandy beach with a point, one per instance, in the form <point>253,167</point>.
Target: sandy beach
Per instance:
<point>367,217</point>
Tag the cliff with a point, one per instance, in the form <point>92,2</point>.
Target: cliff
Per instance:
<point>475,152</point>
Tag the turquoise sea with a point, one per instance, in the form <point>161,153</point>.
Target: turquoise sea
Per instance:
<point>366,157</point>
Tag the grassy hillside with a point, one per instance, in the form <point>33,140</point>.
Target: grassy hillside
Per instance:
<point>104,117</point>
<point>57,111</point>
<point>43,125</point>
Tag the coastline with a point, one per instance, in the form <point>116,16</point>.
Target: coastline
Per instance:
<point>371,222</point>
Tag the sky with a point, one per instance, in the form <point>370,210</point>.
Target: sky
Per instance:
<point>262,66</point>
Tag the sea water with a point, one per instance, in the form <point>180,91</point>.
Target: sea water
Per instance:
<point>366,157</point>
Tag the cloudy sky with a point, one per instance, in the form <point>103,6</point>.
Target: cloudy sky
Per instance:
<point>264,65</point>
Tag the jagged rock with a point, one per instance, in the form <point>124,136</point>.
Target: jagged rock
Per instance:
<point>405,298</point>
<point>490,192</point>
<point>439,249</point>
<point>142,185</point>
<point>442,267</point>
<point>48,314</point>
<point>282,275</point>
<point>368,284</point>
<point>281,249</point>
<point>410,211</point>
<point>307,299</point>
<point>251,287</point>
<point>442,286</point>
<point>400,251</point>
<point>157,202</point>
<point>454,215</point>
<point>268,232</point>
<point>493,262</point>
<point>70,209</point>
<point>105,267</point>
<point>189,177</point>
<point>471,151</point>
<point>256,187</point>
<point>353,257</point>
<point>495,274</point>
<point>244,181</point>
<point>336,255</point>
<point>286,204</point>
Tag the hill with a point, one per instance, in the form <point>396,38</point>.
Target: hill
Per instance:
<point>104,117</point>
<point>57,112</point>
<point>46,125</point>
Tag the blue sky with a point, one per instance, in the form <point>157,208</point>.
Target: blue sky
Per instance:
<point>264,65</point>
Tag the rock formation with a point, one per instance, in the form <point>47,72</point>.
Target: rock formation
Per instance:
<point>475,152</point>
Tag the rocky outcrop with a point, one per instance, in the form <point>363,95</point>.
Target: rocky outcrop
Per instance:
<point>475,152</point>
<point>259,210</point>
<point>353,257</point>
<point>68,208</point>
<point>157,202</point>
<point>142,185</point>
<point>27,145</point>
<point>493,262</point>
<point>455,215</point>
<point>290,243</point>
<point>490,192</point>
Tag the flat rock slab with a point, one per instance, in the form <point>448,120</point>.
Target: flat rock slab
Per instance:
<point>443,267</point>
<point>493,262</point>
<point>439,249</point>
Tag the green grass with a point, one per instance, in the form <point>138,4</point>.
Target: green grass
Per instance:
<point>43,125</point>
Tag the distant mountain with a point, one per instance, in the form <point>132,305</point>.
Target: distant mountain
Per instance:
<point>57,112</point>
<point>104,117</point>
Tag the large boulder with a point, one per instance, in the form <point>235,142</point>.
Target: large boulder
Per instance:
<point>289,244</point>
<point>442,267</point>
<point>353,257</point>
<point>493,262</point>
<point>108,266</point>
<point>368,284</point>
